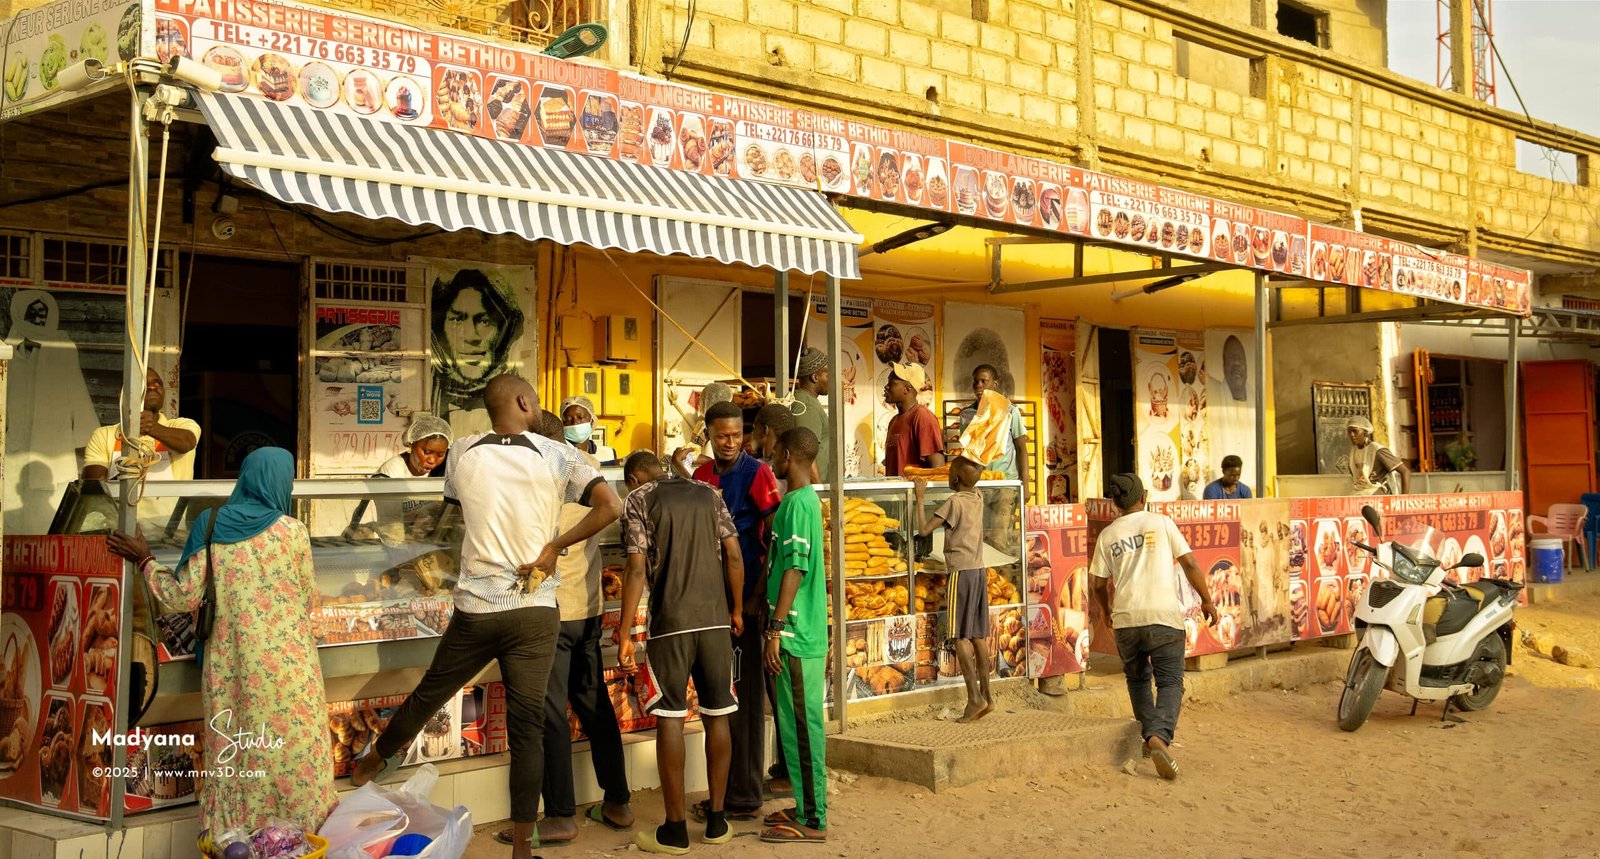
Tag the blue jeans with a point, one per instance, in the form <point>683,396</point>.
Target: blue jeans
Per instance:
<point>1153,651</point>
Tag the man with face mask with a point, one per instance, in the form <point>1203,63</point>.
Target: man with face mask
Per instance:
<point>1371,464</point>
<point>577,414</point>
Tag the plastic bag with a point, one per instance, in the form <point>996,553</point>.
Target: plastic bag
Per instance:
<point>375,815</point>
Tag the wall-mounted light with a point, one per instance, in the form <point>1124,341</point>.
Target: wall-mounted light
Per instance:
<point>579,41</point>
<point>900,240</point>
<point>1153,288</point>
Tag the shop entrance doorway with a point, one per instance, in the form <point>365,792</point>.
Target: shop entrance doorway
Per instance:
<point>1116,405</point>
<point>241,348</point>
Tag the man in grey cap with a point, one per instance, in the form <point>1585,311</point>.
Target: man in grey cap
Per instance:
<point>812,382</point>
<point>1134,557</point>
<point>577,415</point>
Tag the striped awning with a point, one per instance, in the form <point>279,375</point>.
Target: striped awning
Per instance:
<point>339,162</point>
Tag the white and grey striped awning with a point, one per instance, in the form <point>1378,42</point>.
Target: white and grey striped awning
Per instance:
<point>341,162</point>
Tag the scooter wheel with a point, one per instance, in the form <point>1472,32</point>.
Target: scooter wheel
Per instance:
<point>1489,658</point>
<point>1361,693</point>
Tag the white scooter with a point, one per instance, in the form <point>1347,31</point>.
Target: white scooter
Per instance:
<point>1427,638</point>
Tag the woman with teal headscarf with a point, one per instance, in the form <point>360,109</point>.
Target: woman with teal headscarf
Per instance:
<point>265,707</point>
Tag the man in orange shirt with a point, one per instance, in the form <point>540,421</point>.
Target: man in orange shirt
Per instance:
<point>915,438</point>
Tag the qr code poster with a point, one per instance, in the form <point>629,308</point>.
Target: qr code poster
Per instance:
<point>369,373</point>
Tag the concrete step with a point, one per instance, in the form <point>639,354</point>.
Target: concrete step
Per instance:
<point>1575,584</point>
<point>940,754</point>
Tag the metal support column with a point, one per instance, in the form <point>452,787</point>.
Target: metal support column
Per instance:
<point>1513,408</point>
<point>1263,310</point>
<point>836,504</point>
<point>133,384</point>
<point>780,334</point>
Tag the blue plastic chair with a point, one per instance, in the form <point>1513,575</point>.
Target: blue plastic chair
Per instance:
<point>1591,528</point>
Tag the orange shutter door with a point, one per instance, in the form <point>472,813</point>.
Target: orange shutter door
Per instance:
<point>1558,431</point>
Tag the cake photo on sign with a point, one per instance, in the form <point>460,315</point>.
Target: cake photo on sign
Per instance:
<point>362,92</point>
<point>226,61</point>
<point>273,76</point>
<point>692,141</point>
<point>405,98</point>
<point>319,85</point>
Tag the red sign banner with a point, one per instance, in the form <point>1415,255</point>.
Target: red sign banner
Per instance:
<point>391,72</point>
<point>60,624</point>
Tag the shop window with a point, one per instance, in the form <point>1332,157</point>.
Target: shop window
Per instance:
<point>92,264</point>
<point>1303,24</point>
<point>342,281</point>
<point>757,312</point>
<point>1557,165</point>
<point>15,258</point>
<point>1202,63</point>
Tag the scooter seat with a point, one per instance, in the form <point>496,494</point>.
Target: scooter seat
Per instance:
<point>1448,613</point>
<point>1486,591</point>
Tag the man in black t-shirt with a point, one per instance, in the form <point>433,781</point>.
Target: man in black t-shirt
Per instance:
<point>682,543</point>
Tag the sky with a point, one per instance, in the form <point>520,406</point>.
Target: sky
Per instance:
<point>1548,46</point>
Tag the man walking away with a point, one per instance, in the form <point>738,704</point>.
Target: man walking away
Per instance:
<point>797,642</point>
<point>681,541</point>
<point>1133,557</point>
<point>510,484</point>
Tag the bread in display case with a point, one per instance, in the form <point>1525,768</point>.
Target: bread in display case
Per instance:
<point>895,626</point>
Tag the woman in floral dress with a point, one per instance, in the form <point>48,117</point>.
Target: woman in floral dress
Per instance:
<point>266,712</point>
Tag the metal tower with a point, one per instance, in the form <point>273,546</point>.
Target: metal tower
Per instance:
<point>1483,59</point>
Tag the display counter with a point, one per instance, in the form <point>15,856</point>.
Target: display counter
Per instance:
<point>1283,570</point>
<point>895,621</point>
<point>1422,483</point>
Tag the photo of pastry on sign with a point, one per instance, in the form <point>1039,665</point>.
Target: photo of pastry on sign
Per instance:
<point>508,107</point>
<point>459,98</point>
<point>554,117</point>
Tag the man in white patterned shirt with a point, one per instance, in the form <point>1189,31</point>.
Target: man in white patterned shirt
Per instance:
<point>510,483</point>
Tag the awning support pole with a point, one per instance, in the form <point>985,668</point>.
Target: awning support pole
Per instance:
<point>133,385</point>
<point>836,432</point>
<point>1263,309</point>
<point>1513,444</point>
<point>780,334</point>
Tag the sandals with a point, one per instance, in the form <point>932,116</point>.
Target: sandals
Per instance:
<point>789,833</point>
<point>780,788</point>
<point>597,813</point>
<point>702,809</point>
<point>646,841</point>
<point>780,817</point>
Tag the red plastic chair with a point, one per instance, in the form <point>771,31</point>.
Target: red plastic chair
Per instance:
<point>1564,522</point>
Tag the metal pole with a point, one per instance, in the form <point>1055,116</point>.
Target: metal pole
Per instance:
<point>780,334</point>
<point>836,429</point>
<point>1513,446</point>
<point>133,384</point>
<point>1262,312</point>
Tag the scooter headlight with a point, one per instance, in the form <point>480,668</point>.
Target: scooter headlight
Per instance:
<point>1406,568</point>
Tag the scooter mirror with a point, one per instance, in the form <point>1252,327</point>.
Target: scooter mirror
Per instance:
<point>1374,518</point>
<point>1471,560</point>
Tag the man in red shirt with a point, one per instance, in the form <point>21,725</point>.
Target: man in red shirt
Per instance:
<point>915,437</point>
<point>750,491</point>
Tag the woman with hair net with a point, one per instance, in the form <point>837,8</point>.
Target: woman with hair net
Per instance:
<point>1373,467</point>
<point>427,440</point>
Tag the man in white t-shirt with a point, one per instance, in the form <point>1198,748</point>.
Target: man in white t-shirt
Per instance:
<point>1134,556</point>
<point>511,484</point>
<point>172,439</point>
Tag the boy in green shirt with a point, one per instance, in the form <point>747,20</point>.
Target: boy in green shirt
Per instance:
<point>797,640</point>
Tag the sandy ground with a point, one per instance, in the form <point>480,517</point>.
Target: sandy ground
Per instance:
<point>1265,774</point>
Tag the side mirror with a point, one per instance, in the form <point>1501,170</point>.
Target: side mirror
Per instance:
<point>1374,518</point>
<point>1470,560</point>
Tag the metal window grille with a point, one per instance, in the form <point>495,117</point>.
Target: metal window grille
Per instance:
<point>350,281</point>
<point>92,264</point>
<point>16,257</point>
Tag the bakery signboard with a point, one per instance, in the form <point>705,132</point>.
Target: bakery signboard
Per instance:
<point>399,74</point>
<point>60,623</point>
<point>42,42</point>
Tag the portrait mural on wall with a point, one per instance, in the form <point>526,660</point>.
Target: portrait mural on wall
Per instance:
<point>477,325</point>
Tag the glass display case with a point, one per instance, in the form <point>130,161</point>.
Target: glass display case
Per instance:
<point>895,624</point>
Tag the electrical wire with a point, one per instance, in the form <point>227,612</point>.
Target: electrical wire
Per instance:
<point>675,324</point>
<point>683,47</point>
